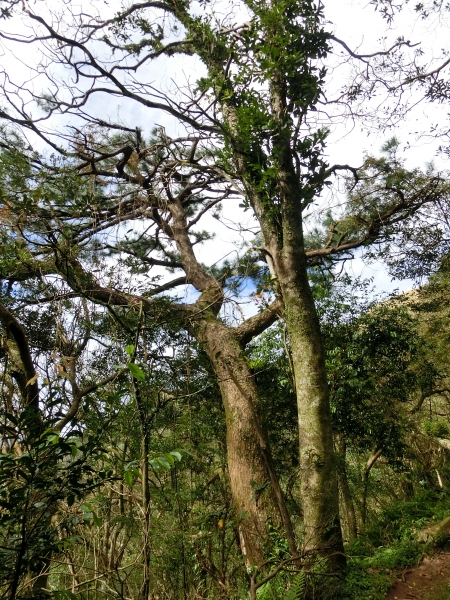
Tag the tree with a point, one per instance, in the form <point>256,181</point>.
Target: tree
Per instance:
<point>250,131</point>
<point>378,365</point>
<point>40,464</point>
<point>51,237</point>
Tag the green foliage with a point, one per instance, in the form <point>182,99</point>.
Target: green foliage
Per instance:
<point>284,587</point>
<point>389,545</point>
<point>136,371</point>
<point>50,469</point>
<point>398,519</point>
<point>402,553</point>
<point>297,587</point>
<point>364,583</point>
<point>437,428</point>
<point>376,360</point>
<point>285,40</point>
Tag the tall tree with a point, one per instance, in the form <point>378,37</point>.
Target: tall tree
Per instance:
<point>250,128</point>
<point>52,242</point>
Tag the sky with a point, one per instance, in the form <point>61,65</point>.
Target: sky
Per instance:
<point>362,29</point>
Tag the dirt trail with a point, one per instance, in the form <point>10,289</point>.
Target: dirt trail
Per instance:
<point>430,580</point>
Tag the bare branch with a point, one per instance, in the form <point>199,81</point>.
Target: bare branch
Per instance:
<point>22,367</point>
<point>79,395</point>
<point>373,54</point>
<point>258,323</point>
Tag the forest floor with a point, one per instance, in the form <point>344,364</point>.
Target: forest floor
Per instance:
<point>430,580</point>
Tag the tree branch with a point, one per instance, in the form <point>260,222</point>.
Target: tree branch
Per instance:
<point>19,353</point>
<point>168,286</point>
<point>79,395</point>
<point>374,54</point>
<point>258,323</point>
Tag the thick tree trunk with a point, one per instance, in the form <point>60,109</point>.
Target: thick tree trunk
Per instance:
<point>317,464</point>
<point>256,492</point>
<point>287,260</point>
<point>319,490</point>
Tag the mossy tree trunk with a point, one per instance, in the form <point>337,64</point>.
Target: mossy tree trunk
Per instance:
<point>255,488</point>
<point>317,464</point>
<point>282,232</point>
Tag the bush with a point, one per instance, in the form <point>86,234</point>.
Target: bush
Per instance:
<point>364,583</point>
<point>436,428</point>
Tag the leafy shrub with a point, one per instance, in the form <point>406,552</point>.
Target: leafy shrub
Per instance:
<point>364,583</point>
<point>436,428</point>
<point>400,554</point>
<point>389,545</point>
<point>400,519</point>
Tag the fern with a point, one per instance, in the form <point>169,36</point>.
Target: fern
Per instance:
<point>297,588</point>
<point>264,592</point>
<point>270,591</point>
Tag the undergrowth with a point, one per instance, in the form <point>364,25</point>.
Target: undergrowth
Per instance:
<point>388,546</point>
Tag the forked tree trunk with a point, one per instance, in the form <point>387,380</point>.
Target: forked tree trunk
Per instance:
<point>255,489</point>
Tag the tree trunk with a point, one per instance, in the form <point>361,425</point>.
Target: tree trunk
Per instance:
<point>254,485</point>
<point>145,503</point>
<point>287,260</point>
<point>285,253</point>
<point>317,464</point>
<point>348,514</point>
<point>371,461</point>
<point>319,489</point>
<point>255,489</point>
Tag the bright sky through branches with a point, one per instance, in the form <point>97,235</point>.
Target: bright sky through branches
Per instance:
<point>355,22</point>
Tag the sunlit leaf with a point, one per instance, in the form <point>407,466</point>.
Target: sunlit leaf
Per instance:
<point>128,476</point>
<point>164,462</point>
<point>136,371</point>
<point>33,380</point>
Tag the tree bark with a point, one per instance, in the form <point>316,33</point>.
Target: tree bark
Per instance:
<point>287,260</point>
<point>286,257</point>
<point>348,514</point>
<point>21,363</point>
<point>256,492</point>
<point>370,462</point>
<point>317,465</point>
